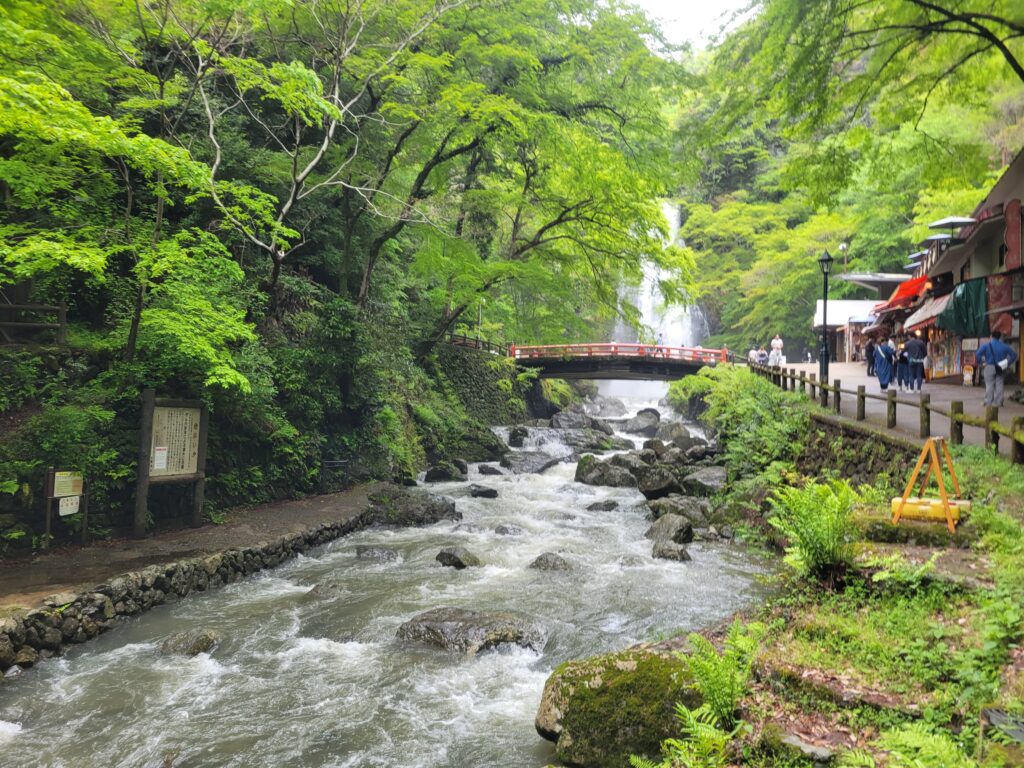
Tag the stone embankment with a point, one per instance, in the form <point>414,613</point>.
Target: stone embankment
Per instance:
<point>69,618</point>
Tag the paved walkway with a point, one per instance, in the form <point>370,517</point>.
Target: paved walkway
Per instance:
<point>852,375</point>
<point>25,582</point>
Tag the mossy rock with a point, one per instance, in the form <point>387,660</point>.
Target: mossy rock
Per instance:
<point>601,710</point>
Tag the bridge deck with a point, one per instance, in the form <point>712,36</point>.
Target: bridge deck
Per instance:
<point>616,361</point>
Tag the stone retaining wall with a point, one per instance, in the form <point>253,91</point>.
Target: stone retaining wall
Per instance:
<point>856,452</point>
<point>68,619</point>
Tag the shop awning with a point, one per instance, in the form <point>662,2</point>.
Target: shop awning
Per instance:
<point>905,295</point>
<point>927,313</point>
<point>966,312</point>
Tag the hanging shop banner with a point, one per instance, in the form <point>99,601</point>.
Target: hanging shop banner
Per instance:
<point>966,312</point>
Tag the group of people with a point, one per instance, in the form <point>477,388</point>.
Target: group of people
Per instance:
<point>900,361</point>
<point>763,357</point>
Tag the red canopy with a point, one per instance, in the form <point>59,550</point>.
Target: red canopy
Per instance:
<point>906,293</point>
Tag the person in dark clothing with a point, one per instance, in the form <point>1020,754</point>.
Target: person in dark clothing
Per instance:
<point>869,355</point>
<point>885,358</point>
<point>902,368</point>
<point>917,351</point>
<point>994,357</point>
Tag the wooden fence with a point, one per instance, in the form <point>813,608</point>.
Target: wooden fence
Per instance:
<point>807,383</point>
<point>11,317</point>
<point>460,340</point>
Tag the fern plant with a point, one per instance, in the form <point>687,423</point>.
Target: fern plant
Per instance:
<point>702,744</point>
<point>722,677</point>
<point>816,519</point>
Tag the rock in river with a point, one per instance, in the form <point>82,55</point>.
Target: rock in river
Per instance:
<point>678,435</point>
<point>482,492</point>
<point>489,469</point>
<point>669,550</point>
<point>468,631</point>
<point>527,462</point>
<point>394,505</point>
<point>590,471</point>
<point>375,553</point>
<point>644,423</point>
<point>458,558</point>
<point>705,482</point>
<point>508,530</point>
<point>549,561</point>
<point>603,506</point>
<point>694,509</point>
<point>671,528</point>
<point>190,643</point>
<point>655,482</point>
<point>517,436</point>
<point>444,471</point>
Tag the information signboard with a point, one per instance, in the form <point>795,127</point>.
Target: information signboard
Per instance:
<point>175,442</point>
<point>67,484</point>
<point>69,505</point>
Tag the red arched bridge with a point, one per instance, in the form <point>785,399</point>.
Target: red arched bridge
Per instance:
<point>614,360</point>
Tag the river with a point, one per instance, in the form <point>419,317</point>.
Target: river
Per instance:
<point>315,677</point>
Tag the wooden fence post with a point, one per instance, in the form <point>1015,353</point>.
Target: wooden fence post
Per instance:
<point>991,438</point>
<point>1016,447</point>
<point>926,416</point>
<point>838,385</point>
<point>62,321</point>
<point>956,427</point>
<point>803,383</point>
<point>861,403</point>
<point>142,482</point>
<point>824,394</point>
<point>890,409</point>
<point>814,378</point>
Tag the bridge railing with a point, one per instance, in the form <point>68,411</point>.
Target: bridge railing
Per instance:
<point>461,340</point>
<point>651,352</point>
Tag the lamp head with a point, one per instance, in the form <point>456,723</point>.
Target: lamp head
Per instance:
<point>825,262</point>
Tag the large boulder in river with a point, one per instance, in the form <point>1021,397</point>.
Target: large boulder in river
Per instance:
<point>190,643</point>
<point>655,481</point>
<point>601,710</point>
<point>528,462</point>
<point>549,561</point>
<point>573,417</point>
<point>397,506</point>
<point>590,471</point>
<point>458,558</point>
<point>489,469</point>
<point>610,407</point>
<point>671,528</point>
<point>460,629</point>
<point>694,509</point>
<point>630,461</point>
<point>517,436</point>
<point>592,440</point>
<point>705,482</point>
<point>669,550</point>
<point>675,433</point>
<point>644,423</point>
<point>482,492</point>
<point>444,471</point>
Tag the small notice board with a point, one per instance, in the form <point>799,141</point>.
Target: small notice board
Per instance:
<point>172,449</point>
<point>68,489</point>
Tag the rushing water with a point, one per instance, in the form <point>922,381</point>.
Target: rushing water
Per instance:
<point>315,677</point>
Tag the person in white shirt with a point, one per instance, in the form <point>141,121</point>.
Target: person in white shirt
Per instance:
<point>775,358</point>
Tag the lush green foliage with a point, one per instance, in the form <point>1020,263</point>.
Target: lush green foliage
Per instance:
<point>817,521</point>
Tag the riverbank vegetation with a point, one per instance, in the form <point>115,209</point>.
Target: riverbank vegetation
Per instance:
<point>283,208</point>
<point>886,654</point>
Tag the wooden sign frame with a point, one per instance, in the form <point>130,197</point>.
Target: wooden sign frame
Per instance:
<point>146,476</point>
<point>53,493</point>
<point>930,453</point>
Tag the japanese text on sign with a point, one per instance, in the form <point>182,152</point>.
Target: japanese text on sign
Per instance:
<point>175,447</point>
<point>67,484</point>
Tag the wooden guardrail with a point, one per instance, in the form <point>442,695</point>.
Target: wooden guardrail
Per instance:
<point>807,383</point>
<point>620,349</point>
<point>476,342</point>
<point>8,313</point>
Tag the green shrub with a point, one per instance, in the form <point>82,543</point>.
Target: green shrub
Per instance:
<point>816,520</point>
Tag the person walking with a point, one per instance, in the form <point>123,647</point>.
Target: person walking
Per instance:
<point>995,357</point>
<point>885,356</point>
<point>917,351</point>
<point>762,356</point>
<point>775,358</point>
<point>869,355</point>
<point>902,367</point>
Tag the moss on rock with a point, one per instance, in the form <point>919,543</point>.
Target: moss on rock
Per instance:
<point>601,710</point>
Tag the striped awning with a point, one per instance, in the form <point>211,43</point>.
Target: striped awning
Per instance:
<point>926,313</point>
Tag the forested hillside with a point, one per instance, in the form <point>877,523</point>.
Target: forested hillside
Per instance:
<point>282,207</point>
<point>820,122</point>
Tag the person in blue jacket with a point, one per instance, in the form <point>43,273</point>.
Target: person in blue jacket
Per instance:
<point>995,358</point>
<point>885,355</point>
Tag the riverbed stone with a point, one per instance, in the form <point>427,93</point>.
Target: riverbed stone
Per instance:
<point>482,492</point>
<point>26,656</point>
<point>191,642</point>
<point>669,550</point>
<point>601,710</point>
<point>644,423</point>
<point>676,433</point>
<point>591,471</point>
<point>444,471</point>
<point>375,553</point>
<point>693,508</point>
<point>630,461</point>
<point>706,482</point>
<point>517,436</point>
<point>506,529</point>
<point>656,445</point>
<point>603,506</point>
<point>610,407</point>
<point>470,632</point>
<point>6,652</point>
<point>655,482</point>
<point>395,505</point>
<point>671,527</point>
<point>528,462</point>
<point>469,528</point>
<point>549,561</point>
<point>458,558</point>
<point>489,469</point>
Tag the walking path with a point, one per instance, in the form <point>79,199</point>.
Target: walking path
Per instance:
<point>24,583</point>
<point>853,375</point>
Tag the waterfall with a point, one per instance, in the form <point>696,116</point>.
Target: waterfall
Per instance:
<point>678,326</point>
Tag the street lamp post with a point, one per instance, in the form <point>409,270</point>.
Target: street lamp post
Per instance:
<point>825,263</point>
